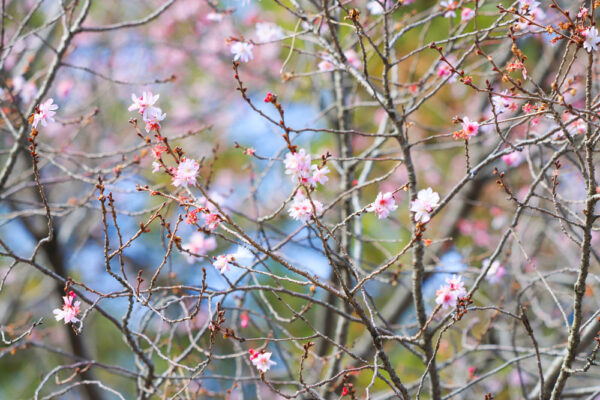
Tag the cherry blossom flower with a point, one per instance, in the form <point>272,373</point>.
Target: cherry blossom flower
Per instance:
<point>268,32</point>
<point>45,113</point>
<point>143,103</point>
<point>192,217</point>
<point>503,103</point>
<point>591,39</point>
<point>326,65</point>
<point>301,208</point>
<point>424,204</point>
<point>496,271</point>
<point>262,361</point>
<point>69,310</point>
<point>467,14</point>
<point>242,51</point>
<point>222,262</point>
<point>383,205</point>
<point>156,166</point>
<point>158,149</point>
<point>447,295</point>
<point>444,70</point>
<point>186,173</point>
<point>353,59</point>
<point>297,165</point>
<point>449,8</point>
<point>211,220</point>
<point>214,17</point>
<point>375,7</point>
<point>244,320</point>
<point>319,174</point>
<point>512,159</point>
<point>152,117</point>
<point>25,90</point>
<point>583,12</point>
<point>199,244</point>
<point>469,128</point>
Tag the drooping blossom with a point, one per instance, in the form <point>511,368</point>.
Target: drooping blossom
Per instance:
<point>262,361</point>
<point>152,118</point>
<point>268,32</point>
<point>319,174</point>
<point>449,8</point>
<point>467,14</point>
<point>45,113</point>
<point>591,39</point>
<point>447,295</point>
<point>186,172</point>
<point>244,320</point>
<point>242,51</point>
<point>496,271</point>
<point>424,204</point>
<point>383,205</point>
<point>222,262</point>
<point>301,208</point>
<point>199,244</point>
<point>69,310</point>
<point>512,159</point>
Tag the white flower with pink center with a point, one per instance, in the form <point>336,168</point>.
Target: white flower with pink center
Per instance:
<point>222,262</point>
<point>242,51</point>
<point>186,173</point>
<point>383,205</point>
<point>262,361</point>
<point>319,174</point>
<point>45,113</point>
<point>591,39</point>
<point>424,204</point>
<point>297,165</point>
<point>200,245</point>
<point>467,14</point>
<point>448,295</point>
<point>302,209</point>
<point>152,118</point>
<point>69,310</point>
<point>143,103</point>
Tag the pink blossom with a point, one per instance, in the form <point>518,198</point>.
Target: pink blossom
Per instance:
<point>424,204</point>
<point>467,14</point>
<point>444,70</point>
<point>503,103</point>
<point>326,65</point>
<point>512,159</point>
<point>211,220</point>
<point>192,217</point>
<point>45,113</point>
<point>301,208</point>
<point>244,320</point>
<point>242,51</point>
<point>222,262</point>
<point>319,174</point>
<point>470,128</point>
<point>69,310</point>
<point>158,149</point>
<point>447,295</point>
<point>591,39</point>
<point>199,244</point>
<point>353,59</point>
<point>297,165</point>
<point>186,173</point>
<point>449,8</point>
<point>156,166</point>
<point>268,32</point>
<point>152,118</point>
<point>262,361</point>
<point>383,205</point>
<point>143,103</point>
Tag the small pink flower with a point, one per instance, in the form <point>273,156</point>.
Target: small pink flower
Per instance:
<point>383,205</point>
<point>186,173</point>
<point>211,221</point>
<point>222,262</point>
<point>469,128</point>
<point>512,159</point>
<point>152,118</point>
<point>250,151</point>
<point>262,361</point>
<point>144,103</point>
<point>270,98</point>
<point>191,217</point>
<point>297,165</point>
<point>69,310</point>
<point>244,320</point>
<point>158,149</point>
<point>496,271</point>
<point>467,14</point>
<point>156,166</point>
<point>449,8</point>
<point>320,174</point>
<point>448,295</point>
<point>424,204</point>
<point>199,244</point>
<point>45,113</point>
<point>242,51</point>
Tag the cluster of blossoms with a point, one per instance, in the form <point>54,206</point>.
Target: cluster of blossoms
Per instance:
<point>144,105</point>
<point>383,205</point>
<point>448,295</point>
<point>185,173</point>
<point>45,113</point>
<point>69,310</point>
<point>469,129</point>
<point>298,166</point>
<point>262,361</point>
<point>504,103</point>
<point>424,204</point>
<point>223,261</point>
<point>301,208</point>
